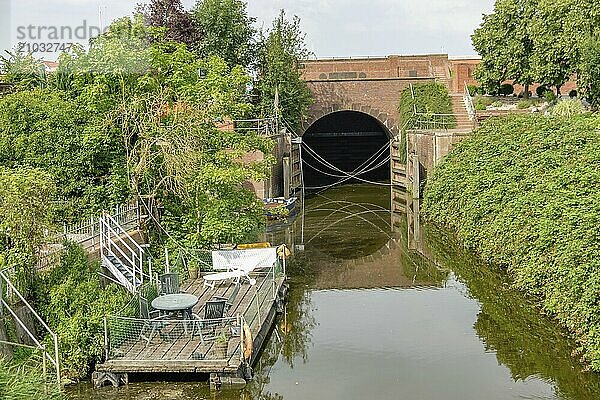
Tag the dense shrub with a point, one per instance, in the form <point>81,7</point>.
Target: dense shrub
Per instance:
<point>474,89</point>
<point>74,303</point>
<point>573,93</point>
<point>506,89</point>
<point>549,96</point>
<point>524,192</point>
<point>482,102</point>
<point>48,129</point>
<point>541,90</point>
<point>568,108</point>
<point>523,104</point>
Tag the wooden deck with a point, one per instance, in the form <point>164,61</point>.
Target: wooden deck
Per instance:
<point>178,351</point>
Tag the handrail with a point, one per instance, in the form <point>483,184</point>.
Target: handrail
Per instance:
<point>54,359</point>
<point>469,104</point>
<point>127,235</point>
<point>113,236</point>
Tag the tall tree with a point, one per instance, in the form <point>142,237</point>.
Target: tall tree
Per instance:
<point>555,48</point>
<point>171,15</point>
<point>227,31</point>
<point>589,71</point>
<point>505,46</point>
<point>279,60</point>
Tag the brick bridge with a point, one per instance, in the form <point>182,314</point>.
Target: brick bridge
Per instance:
<point>355,113</point>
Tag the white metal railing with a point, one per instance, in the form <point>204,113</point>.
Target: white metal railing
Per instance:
<point>8,291</point>
<point>86,233</point>
<point>264,127</point>
<point>469,103</point>
<point>117,245</point>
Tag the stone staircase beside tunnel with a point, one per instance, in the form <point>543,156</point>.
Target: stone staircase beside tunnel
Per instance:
<point>459,109</point>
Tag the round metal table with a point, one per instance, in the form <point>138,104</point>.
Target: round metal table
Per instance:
<point>175,302</point>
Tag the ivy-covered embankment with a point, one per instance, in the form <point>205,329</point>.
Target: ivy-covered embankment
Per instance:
<point>524,193</point>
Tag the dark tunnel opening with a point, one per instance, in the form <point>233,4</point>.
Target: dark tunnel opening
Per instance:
<point>349,141</point>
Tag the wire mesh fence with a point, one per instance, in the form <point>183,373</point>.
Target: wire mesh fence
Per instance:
<point>167,338</point>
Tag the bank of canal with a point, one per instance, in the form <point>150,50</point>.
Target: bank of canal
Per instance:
<point>368,318</point>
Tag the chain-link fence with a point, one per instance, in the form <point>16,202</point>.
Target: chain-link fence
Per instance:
<point>162,338</point>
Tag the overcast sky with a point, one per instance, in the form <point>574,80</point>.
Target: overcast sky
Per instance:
<point>334,28</point>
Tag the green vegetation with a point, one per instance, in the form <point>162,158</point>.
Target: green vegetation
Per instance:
<point>226,31</point>
<point>73,302</point>
<point>482,102</point>
<point>280,53</point>
<point>544,41</point>
<point>510,324</point>
<point>24,216</point>
<point>430,99</point>
<point>23,382</point>
<point>137,115</point>
<point>589,73</point>
<point>568,108</point>
<point>523,193</point>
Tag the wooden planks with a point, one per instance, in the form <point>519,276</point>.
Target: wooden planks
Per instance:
<point>184,353</point>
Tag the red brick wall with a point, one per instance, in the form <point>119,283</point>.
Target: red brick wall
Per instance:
<point>462,71</point>
<point>372,68</point>
<point>372,86</point>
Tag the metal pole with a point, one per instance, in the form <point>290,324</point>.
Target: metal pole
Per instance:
<point>56,357</point>
<point>166,260</point>
<point>92,233</point>
<point>44,360</point>
<point>105,338</point>
<point>1,298</point>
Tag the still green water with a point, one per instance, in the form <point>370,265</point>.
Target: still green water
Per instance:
<point>380,311</point>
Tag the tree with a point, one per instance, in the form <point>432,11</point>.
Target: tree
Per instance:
<point>589,71</point>
<point>25,214</point>
<point>170,14</point>
<point>23,70</point>
<point>279,58</point>
<point>505,46</point>
<point>555,49</point>
<point>196,170</point>
<point>227,31</point>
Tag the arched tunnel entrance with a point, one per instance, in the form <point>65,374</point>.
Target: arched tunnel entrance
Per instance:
<point>348,141</point>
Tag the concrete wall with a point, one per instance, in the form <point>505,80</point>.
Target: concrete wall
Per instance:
<point>430,147</point>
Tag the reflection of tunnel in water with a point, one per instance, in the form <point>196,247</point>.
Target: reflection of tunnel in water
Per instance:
<point>348,140</point>
<point>348,223</point>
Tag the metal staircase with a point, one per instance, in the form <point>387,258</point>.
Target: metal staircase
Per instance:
<point>122,255</point>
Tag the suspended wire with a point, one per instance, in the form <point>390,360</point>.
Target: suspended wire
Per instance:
<point>354,175</point>
<point>175,241</point>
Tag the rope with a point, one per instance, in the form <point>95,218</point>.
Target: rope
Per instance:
<point>354,174</point>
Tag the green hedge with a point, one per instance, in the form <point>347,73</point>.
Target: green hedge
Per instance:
<point>524,192</point>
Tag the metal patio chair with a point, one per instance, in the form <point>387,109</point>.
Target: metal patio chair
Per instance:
<point>214,311</point>
<point>153,322</point>
<point>169,283</point>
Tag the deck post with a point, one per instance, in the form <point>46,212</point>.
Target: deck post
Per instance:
<point>105,338</point>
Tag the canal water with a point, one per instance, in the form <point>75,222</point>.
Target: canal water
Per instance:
<point>381,307</point>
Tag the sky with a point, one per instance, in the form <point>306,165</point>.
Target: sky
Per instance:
<point>334,28</point>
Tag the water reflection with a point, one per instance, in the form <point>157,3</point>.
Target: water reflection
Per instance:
<point>381,307</point>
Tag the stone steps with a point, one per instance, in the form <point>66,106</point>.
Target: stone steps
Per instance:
<point>460,112</point>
